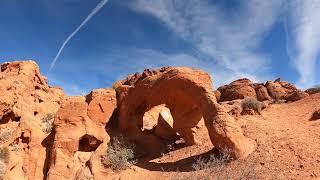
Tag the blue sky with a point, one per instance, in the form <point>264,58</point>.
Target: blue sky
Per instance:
<point>230,39</point>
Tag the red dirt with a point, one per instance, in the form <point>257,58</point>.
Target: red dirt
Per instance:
<point>287,147</point>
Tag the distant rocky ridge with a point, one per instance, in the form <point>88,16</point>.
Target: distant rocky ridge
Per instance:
<point>271,90</point>
<point>54,136</point>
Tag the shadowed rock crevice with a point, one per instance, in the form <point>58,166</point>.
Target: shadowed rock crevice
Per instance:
<point>88,143</point>
<point>9,117</point>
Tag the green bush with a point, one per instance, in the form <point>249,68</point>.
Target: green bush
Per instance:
<point>119,155</point>
<point>251,103</point>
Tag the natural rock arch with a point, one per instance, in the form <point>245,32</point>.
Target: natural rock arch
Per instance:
<point>188,94</point>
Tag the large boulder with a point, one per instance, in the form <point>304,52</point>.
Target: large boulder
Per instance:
<point>188,94</point>
<point>238,89</point>
<point>297,95</point>
<point>280,89</point>
<point>262,93</point>
<point>101,104</point>
<point>27,108</point>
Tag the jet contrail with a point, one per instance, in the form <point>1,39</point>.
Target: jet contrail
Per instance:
<point>93,12</point>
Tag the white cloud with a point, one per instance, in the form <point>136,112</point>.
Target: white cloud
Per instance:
<point>231,39</point>
<point>303,38</point>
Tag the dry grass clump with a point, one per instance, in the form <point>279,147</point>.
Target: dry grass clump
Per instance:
<point>4,154</point>
<point>5,134</point>
<point>2,169</point>
<point>4,158</point>
<point>251,104</point>
<point>213,162</point>
<point>46,123</point>
<point>119,155</point>
<point>216,168</point>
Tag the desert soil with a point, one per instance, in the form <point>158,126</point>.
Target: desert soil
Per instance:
<point>287,148</point>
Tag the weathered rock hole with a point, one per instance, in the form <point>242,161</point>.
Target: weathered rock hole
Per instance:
<point>88,143</point>
<point>25,139</point>
<point>9,117</point>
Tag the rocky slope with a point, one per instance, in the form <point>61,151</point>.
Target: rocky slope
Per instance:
<point>170,115</point>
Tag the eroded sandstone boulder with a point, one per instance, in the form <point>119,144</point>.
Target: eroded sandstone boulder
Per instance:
<point>238,89</point>
<point>262,93</point>
<point>279,89</point>
<point>188,94</point>
<point>297,95</point>
<point>272,90</point>
<point>316,115</point>
<point>101,104</point>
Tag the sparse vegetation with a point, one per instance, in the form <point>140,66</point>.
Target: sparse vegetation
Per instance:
<point>4,158</point>
<point>2,169</point>
<point>46,123</point>
<point>251,103</point>
<point>5,135</point>
<point>119,155</point>
<point>213,162</point>
<point>4,154</point>
<point>216,168</point>
<point>15,146</point>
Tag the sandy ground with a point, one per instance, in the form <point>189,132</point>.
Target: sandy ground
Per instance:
<point>288,147</point>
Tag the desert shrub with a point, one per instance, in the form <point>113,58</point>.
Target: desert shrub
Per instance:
<point>216,168</point>
<point>212,162</point>
<point>5,135</point>
<point>2,168</point>
<point>46,122</point>
<point>4,158</point>
<point>4,154</point>
<point>16,146</point>
<point>119,155</point>
<point>251,103</point>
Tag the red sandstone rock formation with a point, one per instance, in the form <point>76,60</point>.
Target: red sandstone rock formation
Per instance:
<point>189,96</point>
<point>27,110</point>
<point>47,141</point>
<point>277,90</point>
<point>77,137</point>
<point>238,89</point>
<point>297,95</point>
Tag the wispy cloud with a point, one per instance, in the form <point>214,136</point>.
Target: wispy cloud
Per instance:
<point>303,38</point>
<point>93,12</point>
<point>231,39</point>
